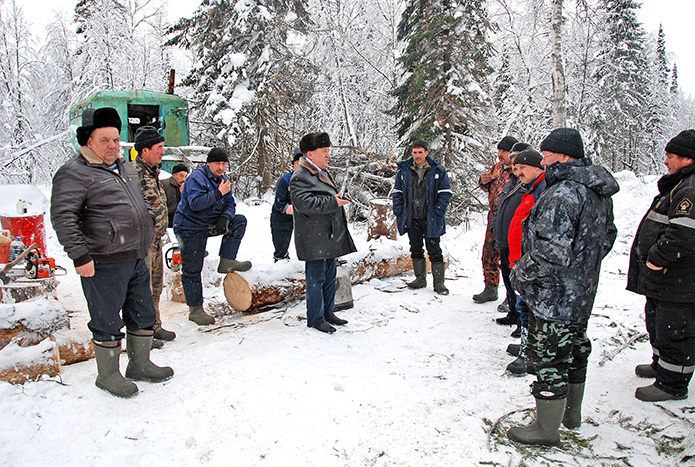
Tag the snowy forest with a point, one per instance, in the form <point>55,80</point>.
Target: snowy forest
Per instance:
<point>374,74</point>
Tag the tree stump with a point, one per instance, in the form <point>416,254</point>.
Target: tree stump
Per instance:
<point>382,221</point>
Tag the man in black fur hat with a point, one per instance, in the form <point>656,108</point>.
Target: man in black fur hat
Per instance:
<point>102,220</point>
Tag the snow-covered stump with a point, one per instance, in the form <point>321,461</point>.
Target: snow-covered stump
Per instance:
<point>26,350</point>
<point>382,221</point>
<point>23,289</point>
<point>269,284</point>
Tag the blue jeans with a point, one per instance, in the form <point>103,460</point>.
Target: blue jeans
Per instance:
<point>522,309</point>
<point>192,246</point>
<point>320,290</point>
<point>116,287</point>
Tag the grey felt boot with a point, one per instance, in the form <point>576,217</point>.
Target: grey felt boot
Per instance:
<point>140,368</point>
<point>543,430</point>
<point>109,377</point>
<point>198,316</point>
<point>230,265</point>
<point>487,295</point>
<point>438,270</point>
<point>573,410</point>
<point>420,270</point>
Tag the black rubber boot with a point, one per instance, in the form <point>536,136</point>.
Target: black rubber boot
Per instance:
<point>543,430</point>
<point>230,265</point>
<point>109,377</point>
<point>573,410</point>
<point>438,275</point>
<point>645,371</point>
<point>518,366</point>
<point>420,270</point>
<point>164,335</point>
<point>198,316</point>
<point>653,394</point>
<point>140,368</point>
<point>487,295</point>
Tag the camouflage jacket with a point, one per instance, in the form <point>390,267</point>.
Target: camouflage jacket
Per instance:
<point>155,195</point>
<point>500,176</point>
<point>567,234</point>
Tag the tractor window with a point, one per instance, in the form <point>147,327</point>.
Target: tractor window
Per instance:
<point>141,115</point>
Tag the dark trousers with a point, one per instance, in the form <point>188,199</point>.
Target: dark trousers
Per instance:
<point>416,234</point>
<point>116,287</point>
<point>557,354</point>
<point>192,246</point>
<point>320,290</point>
<point>522,309</point>
<point>281,230</point>
<point>671,328</point>
<point>506,271</point>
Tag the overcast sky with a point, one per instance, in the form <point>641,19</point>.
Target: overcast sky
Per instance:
<point>676,16</point>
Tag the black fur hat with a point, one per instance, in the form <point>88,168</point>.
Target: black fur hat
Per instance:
<point>146,137</point>
<point>100,118</point>
<point>314,141</point>
<point>683,144</point>
<point>506,143</point>
<point>565,141</point>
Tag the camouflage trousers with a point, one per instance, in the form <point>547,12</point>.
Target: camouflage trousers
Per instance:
<point>155,264</point>
<point>557,354</point>
<point>491,256</point>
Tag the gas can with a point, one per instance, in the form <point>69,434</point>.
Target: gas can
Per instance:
<point>16,249</point>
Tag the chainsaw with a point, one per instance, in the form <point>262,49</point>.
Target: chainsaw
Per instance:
<point>173,258</point>
<point>40,266</point>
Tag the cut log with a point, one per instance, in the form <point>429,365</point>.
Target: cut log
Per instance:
<point>175,287</point>
<point>73,348</point>
<point>21,364</point>
<point>26,289</point>
<point>243,297</point>
<point>31,321</point>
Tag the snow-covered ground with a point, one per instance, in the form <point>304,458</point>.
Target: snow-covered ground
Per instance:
<point>414,379</point>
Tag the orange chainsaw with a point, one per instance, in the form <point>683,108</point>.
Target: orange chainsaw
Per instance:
<point>40,266</point>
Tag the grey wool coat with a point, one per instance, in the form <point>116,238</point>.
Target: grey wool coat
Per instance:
<point>320,225</point>
<point>566,236</point>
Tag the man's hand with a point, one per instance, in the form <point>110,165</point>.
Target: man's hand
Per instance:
<point>86,270</point>
<point>221,227</point>
<point>289,210</point>
<point>653,267</point>
<point>486,178</point>
<point>225,187</point>
<point>341,202</point>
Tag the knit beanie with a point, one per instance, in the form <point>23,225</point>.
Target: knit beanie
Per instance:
<point>506,143</point>
<point>529,156</point>
<point>565,141</point>
<point>297,155</point>
<point>518,147</point>
<point>179,168</point>
<point>683,144</point>
<point>217,155</point>
<point>100,118</point>
<point>146,137</point>
<point>314,141</point>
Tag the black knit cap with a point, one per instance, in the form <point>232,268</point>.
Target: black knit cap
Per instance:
<point>529,156</point>
<point>518,147</point>
<point>146,137</point>
<point>506,143</point>
<point>683,144</point>
<point>314,141</point>
<point>565,141</point>
<point>97,118</point>
<point>217,155</point>
<point>419,143</point>
<point>180,168</point>
<point>297,155</point>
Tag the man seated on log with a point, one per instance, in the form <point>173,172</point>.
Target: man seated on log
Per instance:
<point>421,195</point>
<point>320,229</point>
<point>207,209</point>
<point>106,227</point>
<point>281,214</point>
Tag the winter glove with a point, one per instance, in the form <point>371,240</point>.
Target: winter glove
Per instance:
<point>221,227</point>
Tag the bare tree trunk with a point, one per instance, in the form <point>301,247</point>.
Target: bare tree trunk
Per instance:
<point>558,72</point>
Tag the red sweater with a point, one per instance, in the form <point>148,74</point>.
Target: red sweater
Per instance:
<point>521,213</point>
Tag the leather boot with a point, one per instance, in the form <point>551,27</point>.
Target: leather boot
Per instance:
<point>543,430</point>
<point>573,410</point>
<point>420,270</point>
<point>198,316</point>
<point>438,278</point>
<point>518,366</point>
<point>109,377</point>
<point>140,368</point>
<point>164,335</point>
<point>487,295</point>
<point>230,265</point>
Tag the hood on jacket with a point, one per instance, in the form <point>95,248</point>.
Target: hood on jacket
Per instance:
<point>583,171</point>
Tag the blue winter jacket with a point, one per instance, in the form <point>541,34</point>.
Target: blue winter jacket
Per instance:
<point>439,195</point>
<point>282,200</point>
<point>201,202</point>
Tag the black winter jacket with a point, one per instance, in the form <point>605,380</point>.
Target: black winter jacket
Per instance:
<point>320,225</point>
<point>568,232</point>
<point>510,198</point>
<point>98,214</point>
<point>666,237</point>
